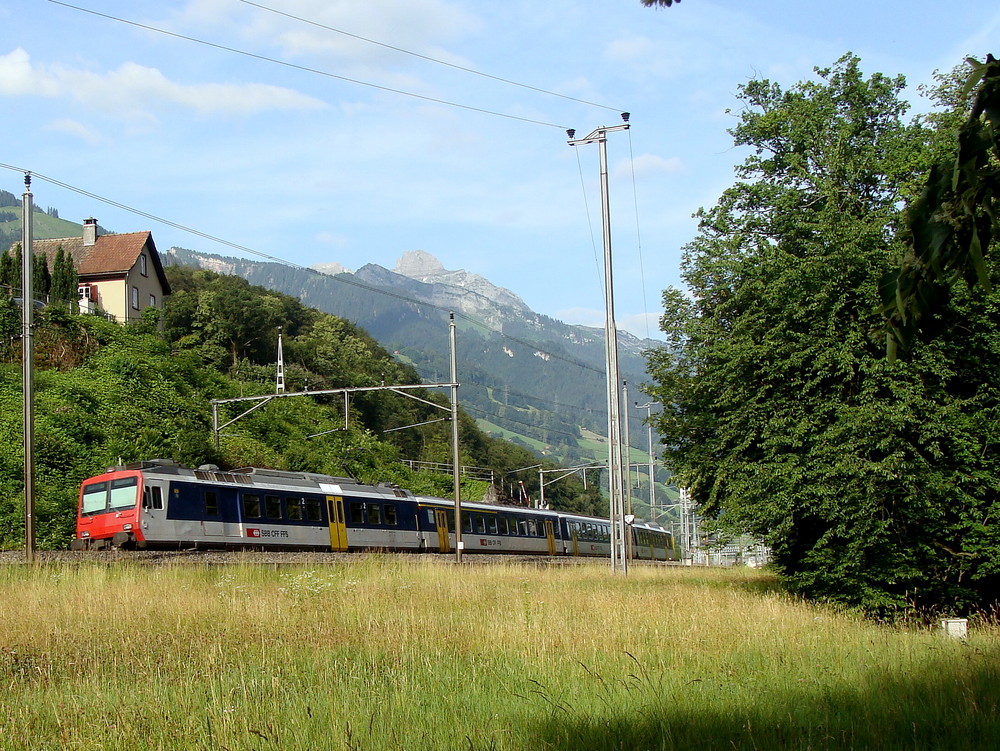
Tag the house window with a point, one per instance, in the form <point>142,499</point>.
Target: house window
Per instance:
<point>85,291</point>
<point>152,301</point>
<point>142,264</point>
<point>135,298</point>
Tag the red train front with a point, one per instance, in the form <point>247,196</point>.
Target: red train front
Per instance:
<point>108,512</point>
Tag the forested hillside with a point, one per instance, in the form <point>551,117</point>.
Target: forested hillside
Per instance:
<point>107,394</point>
<point>521,371</point>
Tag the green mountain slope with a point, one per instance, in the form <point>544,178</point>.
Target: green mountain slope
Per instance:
<point>528,374</point>
<point>46,225</point>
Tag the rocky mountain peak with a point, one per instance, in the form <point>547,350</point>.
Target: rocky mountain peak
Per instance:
<point>418,263</point>
<point>421,266</point>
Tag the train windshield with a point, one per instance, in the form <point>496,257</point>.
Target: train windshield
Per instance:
<point>100,497</point>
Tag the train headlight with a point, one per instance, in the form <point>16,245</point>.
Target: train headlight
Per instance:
<point>126,527</point>
<point>85,533</point>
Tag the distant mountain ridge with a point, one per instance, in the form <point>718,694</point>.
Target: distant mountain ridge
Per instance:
<point>520,371</point>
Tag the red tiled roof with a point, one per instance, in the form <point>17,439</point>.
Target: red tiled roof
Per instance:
<point>111,254</point>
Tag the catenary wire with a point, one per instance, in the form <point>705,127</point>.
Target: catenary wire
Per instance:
<point>245,249</point>
<point>305,68</point>
<point>429,58</point>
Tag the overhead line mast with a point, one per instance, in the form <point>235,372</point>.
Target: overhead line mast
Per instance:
<point>27,357</point>
<point>616,479</point>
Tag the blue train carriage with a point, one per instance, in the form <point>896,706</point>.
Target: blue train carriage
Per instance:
<point>490,529</point>
<point>160,503</point>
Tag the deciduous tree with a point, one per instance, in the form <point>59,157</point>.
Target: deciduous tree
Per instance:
<point>951,226</point>
<point>873,482</point>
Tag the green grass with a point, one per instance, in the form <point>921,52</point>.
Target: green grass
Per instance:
<point>402,654</point>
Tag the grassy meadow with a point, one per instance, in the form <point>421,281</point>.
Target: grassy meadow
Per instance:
<point>387,653</point>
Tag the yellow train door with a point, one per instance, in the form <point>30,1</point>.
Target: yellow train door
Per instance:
<point>338,522</point>
<point>550,534</point>
<point>441,520</point>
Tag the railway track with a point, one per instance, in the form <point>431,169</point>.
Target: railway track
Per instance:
<point>279,558</point>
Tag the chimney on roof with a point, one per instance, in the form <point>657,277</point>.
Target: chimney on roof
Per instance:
<point>90,231</point>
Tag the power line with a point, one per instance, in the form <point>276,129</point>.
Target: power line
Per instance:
<point>282,261</point>
<point>343,280</point>
<point>428,58</point>
<point>304,68</point>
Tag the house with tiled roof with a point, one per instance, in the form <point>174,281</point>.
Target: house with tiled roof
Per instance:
<point>120,275</point>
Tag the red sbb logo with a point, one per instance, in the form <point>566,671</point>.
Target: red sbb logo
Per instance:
<point>261,533</point>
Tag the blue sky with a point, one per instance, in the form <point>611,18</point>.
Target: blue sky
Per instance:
<point>306,166</point>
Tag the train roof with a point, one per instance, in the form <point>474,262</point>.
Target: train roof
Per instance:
<point>259,476</point>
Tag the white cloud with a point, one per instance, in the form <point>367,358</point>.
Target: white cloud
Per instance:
<point>133,90</point>
<point>18,78</point>
<point>75,128</point>
<point>419,26</point>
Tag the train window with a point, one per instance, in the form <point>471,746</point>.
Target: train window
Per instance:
<point>531,528</point>
<point>502,526</point>
<point>390,514</point>
<point>357,512</point>
<point>272,507</point>
<point>155,498</point>
<point>95,498</point>
<point>480,525</point>
<point>467,523</point>
<point>374,513</point>
<point>451,520</point>
<point>123,493</point>
<point>430,517</point>
<point>211,503</point>
<point>314,511</point>
<point>522,527</point>
<point>293,507</point>
<point>251,506</point>
<point>494,526</point>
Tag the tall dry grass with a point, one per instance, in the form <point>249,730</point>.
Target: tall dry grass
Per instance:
<point>386,653</point>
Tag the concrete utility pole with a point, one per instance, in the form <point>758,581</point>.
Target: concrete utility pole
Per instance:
<point>619,561</point>
<point>28,356</point>
<point>649,436</point>
<point>456,468</point>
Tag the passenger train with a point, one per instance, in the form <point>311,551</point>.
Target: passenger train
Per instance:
<point>161,504</point>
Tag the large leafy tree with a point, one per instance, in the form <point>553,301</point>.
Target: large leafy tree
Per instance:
<point>873,482</point>
<point>951,226</point>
